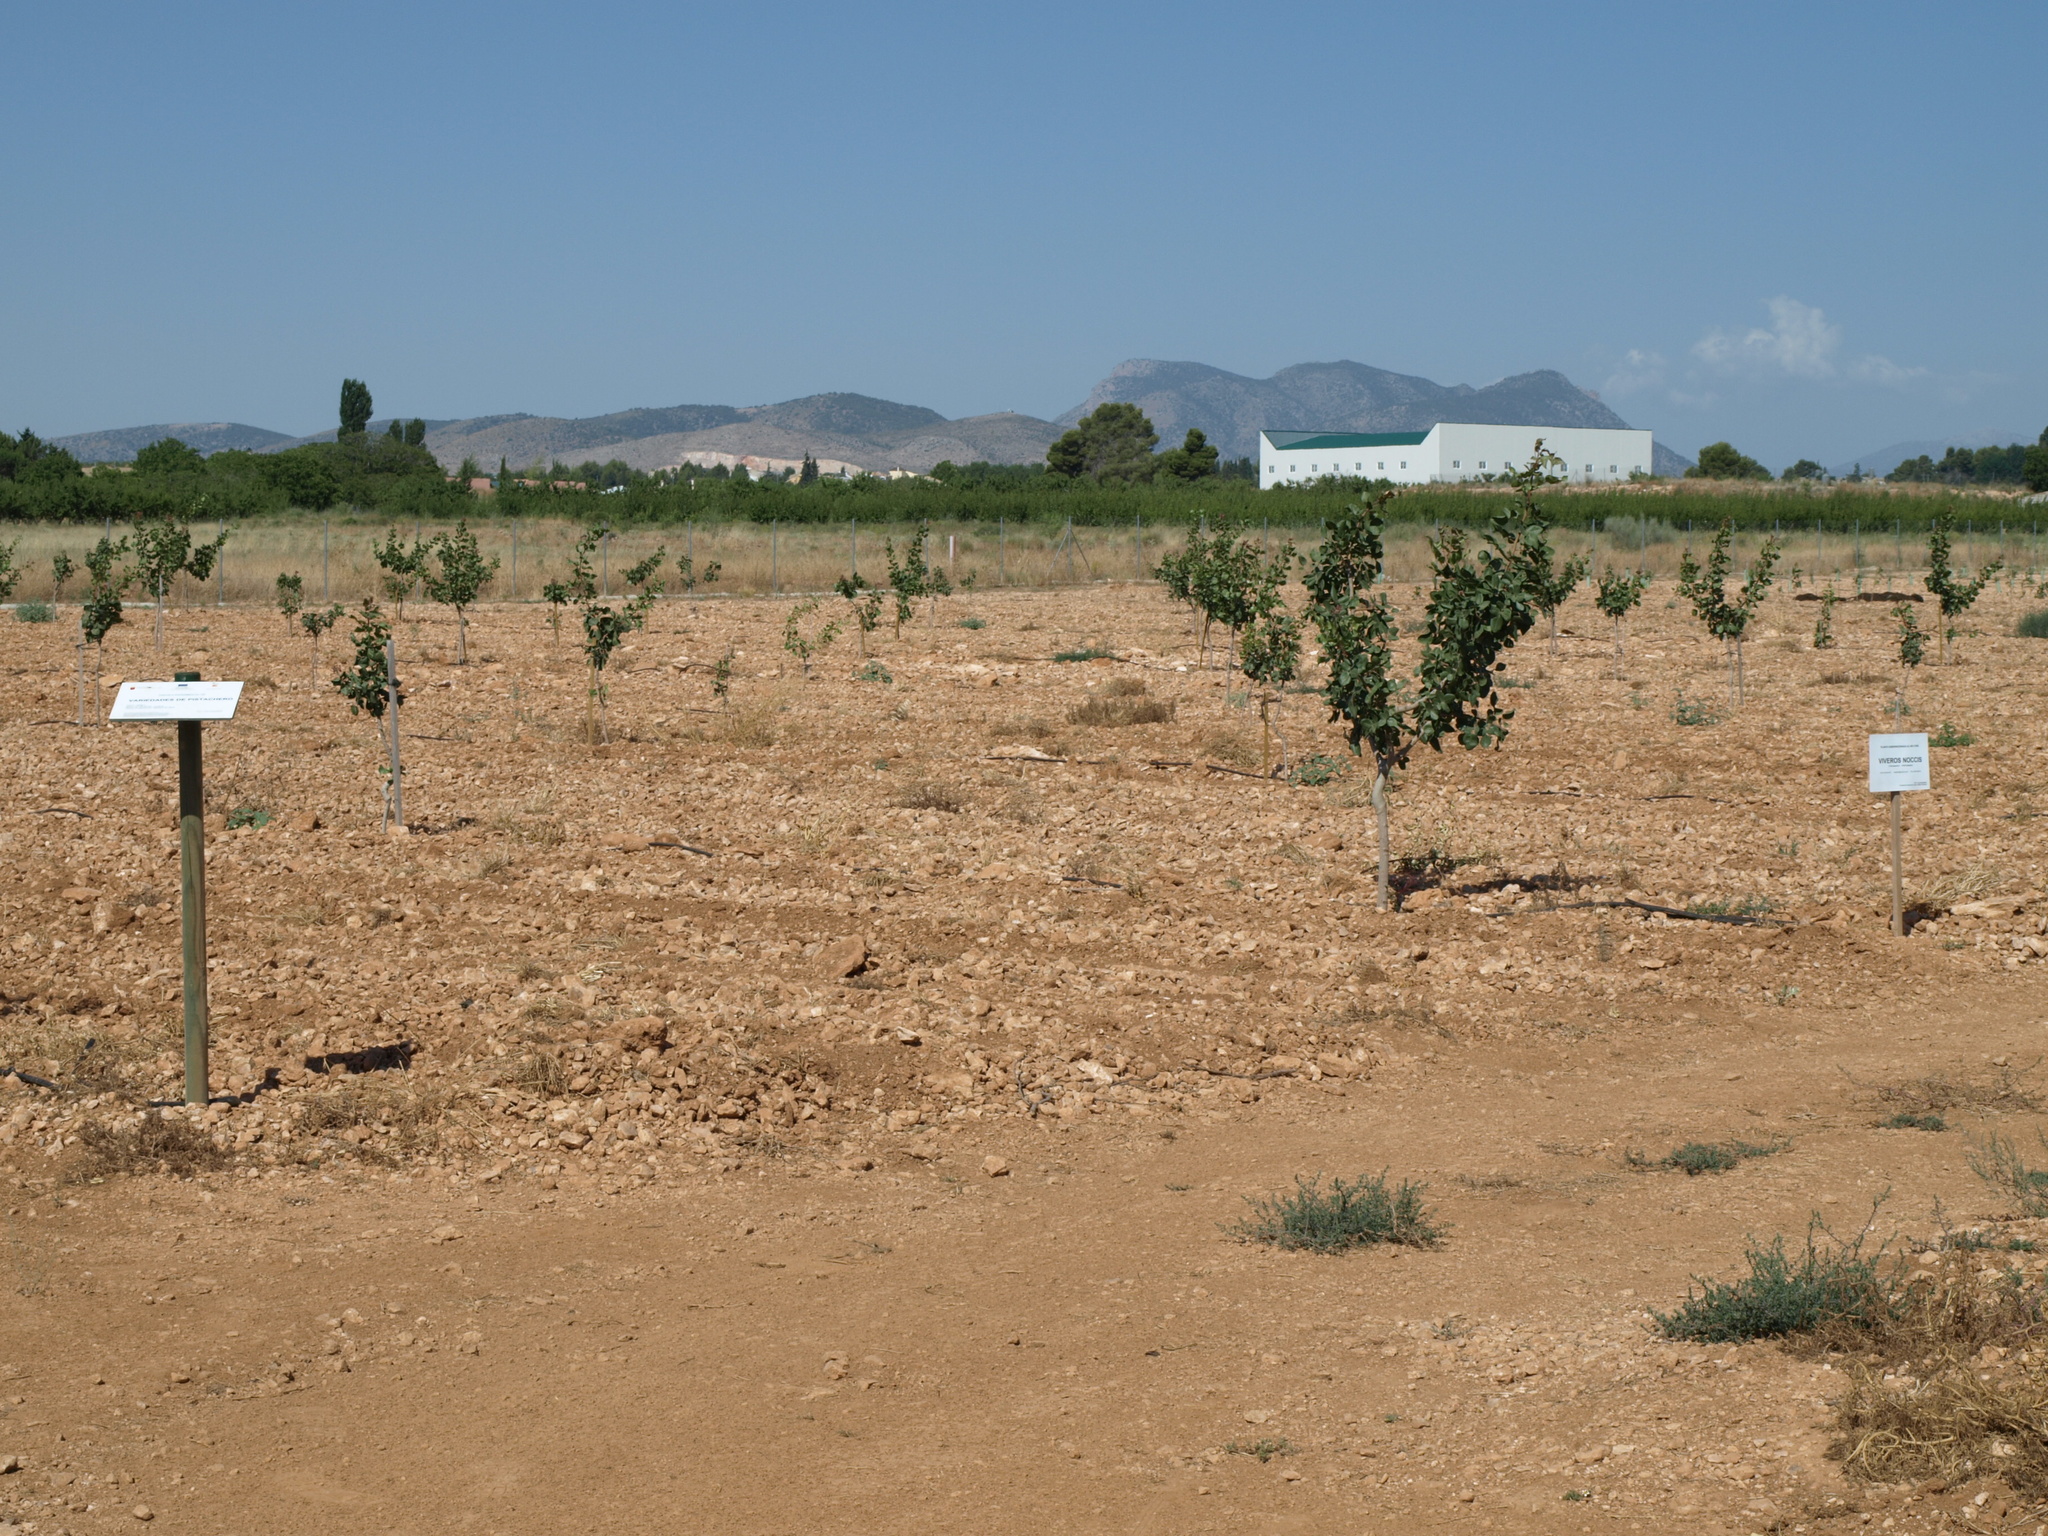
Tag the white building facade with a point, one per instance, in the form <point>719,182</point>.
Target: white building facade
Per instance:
<point>1449,452</point>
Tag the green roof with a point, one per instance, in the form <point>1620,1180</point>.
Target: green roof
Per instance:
<point>1300,442</point>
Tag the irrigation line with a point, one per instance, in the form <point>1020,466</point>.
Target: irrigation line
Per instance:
<point>1741,919</point>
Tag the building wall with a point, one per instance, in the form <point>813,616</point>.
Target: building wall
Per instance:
<point>1455,451</point>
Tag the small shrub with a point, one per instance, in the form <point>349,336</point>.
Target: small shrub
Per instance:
<point>247,816</point>
<point>1120,711</point>
<point>1344,1216</point>
<point>873,672</point>
<point>1315,770</point>
<point>1692,712</point>
<point>1949,736</point>
<point>1783,1294</point>
<point>1998,1163</point>
<point>1747,906</point>
<point>971,622</point>
<point>1121,688</point>
<point>149,1144</point>
<point>1698,1157</point>
<point>929,795</point>
<point>1232,749</point>
<point>2032,626</point>
<point>34,613</point>
<point>1912,1122</point>
<point>1086,653</point>
<point>1265,1448</point>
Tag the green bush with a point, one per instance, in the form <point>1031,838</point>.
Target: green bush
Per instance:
<point>34,613</point>
<point>1907,1121</point>
<point>1315,770</point>
<point>1692,712</point>
<point>1783,1294</point>
<point>972,622</point>
<point>1697,1157</point>
<point>1086,653</point>
<point>873,672</point>
<point>1998,1163</point>
<point>2033,626</point>
<point>1949,736</point>
<point>1343,1216</point>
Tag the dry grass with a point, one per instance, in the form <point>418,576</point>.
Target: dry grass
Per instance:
<point>929,795</point>
<point>539,1073</point>
<point>2003,1092</point>
<point>149,1143</point>
<point>751,727</point>
<point>1023,729</point>
<point>1121,688</point>
<point>1120,711</point>
<point>1971,884</point>
<point>1236,749</point>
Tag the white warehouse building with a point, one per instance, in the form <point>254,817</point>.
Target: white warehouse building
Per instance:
<point>1448,452</point>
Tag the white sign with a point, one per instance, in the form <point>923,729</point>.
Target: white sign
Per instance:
<point>1898,763</point>
<point>178,701</point>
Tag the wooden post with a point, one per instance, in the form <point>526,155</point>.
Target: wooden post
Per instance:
<point>1138,546</point>
<point>192,899</point>
<point>515,560</point>
<point>853,546</point>
<point>391,706</point>
<point>1898,892</point>
<point>220,566</point>
<point>1002,549</point>
<point>325,594</point>
<point>775,555</point>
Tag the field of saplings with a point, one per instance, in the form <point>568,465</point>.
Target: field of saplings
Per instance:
<point>1295,1043</point>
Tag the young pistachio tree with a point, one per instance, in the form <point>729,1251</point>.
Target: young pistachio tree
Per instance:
<point>291,597</point>
<point>866,610</point>
<point>1726,619</point>
<point>316,622</point>
<point>403,568</point>
<point>460,581</point>
<point>1477,609</point>
<point>10,573</point>
<point>164,549</point>
<point>605,627</point>
<point>1270,654</point>
<point>1824,621</point>
<point>557,596</point>
<point>914,577</point>
<point>1619,592</point>
<point>691,573</point>
<point>1955,595</point>
<point>1233,586</point>
<point>62,569</point>
<point>101,609</point>
<point>1912,651</point>
<point>1553,586</point>
<point>370,689</point>
<point>804,646</point>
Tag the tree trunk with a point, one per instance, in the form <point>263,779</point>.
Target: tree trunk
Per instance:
<point>1265,738</point>
<point>1379,809</point>
<point>1738,673</point>
<point>1553,631</point>
<point>590,710</point>
<point>159,613</point>
<point>461,639</point>
<point>1618,669</point>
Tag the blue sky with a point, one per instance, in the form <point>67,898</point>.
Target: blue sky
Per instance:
<point>1812,229</point>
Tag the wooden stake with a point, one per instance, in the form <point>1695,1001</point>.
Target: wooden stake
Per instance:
<point>1898,894</point>
<point>192,899</point>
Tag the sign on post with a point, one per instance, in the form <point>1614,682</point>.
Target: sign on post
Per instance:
<point>1898,765</point>
<point>187,702</point>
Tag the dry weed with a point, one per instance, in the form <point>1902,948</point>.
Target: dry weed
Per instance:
<point>1021,729</point>
<point>752,727</point>
<point>1120,688</point>
<point>929,795</point>
<point>1971,884</point>
<point>1119,712</point>
<point>1237,749</point>
<point>2003,1092</point>
<point>150,1143</point>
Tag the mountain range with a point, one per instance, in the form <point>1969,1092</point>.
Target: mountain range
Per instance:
<point>883,434</point>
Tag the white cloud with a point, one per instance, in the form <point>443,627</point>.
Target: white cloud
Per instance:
<point>1639,371</point>
<point>1882,370</point>
<point>1799,342</point>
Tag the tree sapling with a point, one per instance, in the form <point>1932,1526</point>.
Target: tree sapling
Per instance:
<point>1824,624</point>
<point>101,609</point>
<point>1725,619</point>
<point>1912,650</point>
<point>1955,595</point>
<point>1619,592</point>
<point>1553,586</point>
<point>804,646</point>
<point>291,597</point>
<point>316,622</point>
<point>10,573</point>
<point>866,610</point>
<point>370,688</point>
<point>164,550</point>
<point>62,569</point>
<point>403,568</point>
<point>463,575</point>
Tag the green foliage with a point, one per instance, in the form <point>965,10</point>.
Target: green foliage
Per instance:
<point>1949,736</point>
<point>1549,587</point>
<point>1998,1162</point>
<point>1620,591</point>
<point>1969,466</point>
<point>1085,653</point>
<point>721,676</point>
<point>974,621</point>
<point>1686,711</point>
<point>692,574</point>
<point>1313,1219</point>
<point>803,646</point>
<point>644,574</point>
<point>1727,619</point>
<point>1113,443</point>
<point>557,596</point>
<point>169,456</point>
<point>101,608</point>
<point>605,626</point>
<point>355,407</point>
<point>62,569</point>
<point>10,573</point>
<point>164,549</point>
<point>1720,461</point>
<point>1912,643</point>
<point>247,816</point>
<point>1828,1281</point>
<point>865,602</point>
<point>28,461</point>
<point>1697,1157</point>
<point>2033,626</point>
<point>364,681</point>
<point>1906,1120</point>
<point>1194,459</point>
<point>873,672</point>
<point>1805,469</point>
<point>1824,623</point>
<point>404,568</point>
<point>1955,595</point>
<point>291,597</point>
<point>2034,466</point>
<point>463,575</point>
<point>1316,770</point>
<point>34,613</point>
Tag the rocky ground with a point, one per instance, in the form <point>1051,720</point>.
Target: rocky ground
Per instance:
<point>861,1072</point>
